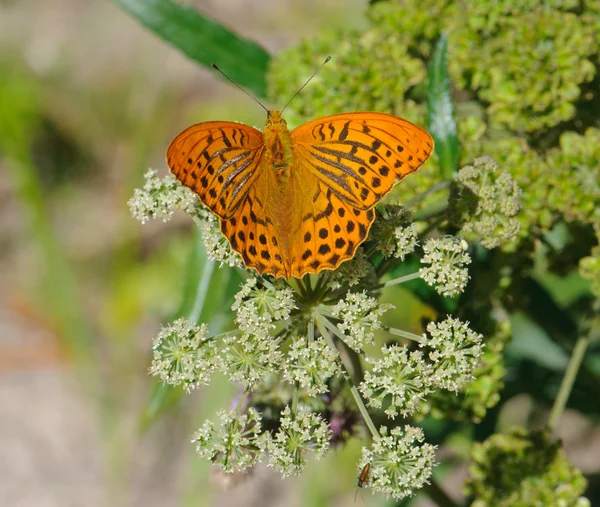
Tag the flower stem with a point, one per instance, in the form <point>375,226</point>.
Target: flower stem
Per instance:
<point>295,398</point>
<point>396,281</point>
<point>405,334</point>
<point>568,380</point>
<point>320,322</point>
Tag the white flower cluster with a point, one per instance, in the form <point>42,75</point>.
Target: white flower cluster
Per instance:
<point>160,197</point>
<point>256,354</point>
<point>400,463</point>
<point>352,272</point>
<point>184,356</point>
<point>403,378</point>
<point>454,351</point>
<point>235,445</point>
<point>395,233</point>
<point>311,363</point>
<point>400,375</point>
<point>270,302</point>
<point>251,358</point>
<point>216,245</point>
<point>490,199</point>
<point>445,258</point>
<point>297,434</point>
<point>360,316</point>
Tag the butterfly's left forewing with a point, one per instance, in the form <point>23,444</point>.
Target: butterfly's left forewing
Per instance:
<point>219,161</point>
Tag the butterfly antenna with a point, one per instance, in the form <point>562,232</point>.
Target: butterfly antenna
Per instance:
<point>214,66</point>
<point>307,81</point>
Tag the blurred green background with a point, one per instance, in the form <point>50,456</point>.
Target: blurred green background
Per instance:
<point>89,100</point>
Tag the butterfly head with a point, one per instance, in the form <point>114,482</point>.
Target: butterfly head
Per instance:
<point>274,120</point>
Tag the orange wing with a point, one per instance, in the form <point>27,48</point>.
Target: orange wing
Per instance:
<point>345,164</point>
<point>218,160</point>
<point>361,156</point>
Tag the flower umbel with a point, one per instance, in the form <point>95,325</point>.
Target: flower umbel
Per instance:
<point>395,233</point>
<point>400,462</point>
<point>360,316</point>
<point>310,363</point>
<point>160,197</point>
<point>400,375</point>
<point>485,201</point>
<point>184,356</point>
<point>298,433</point>
<point>446,257</point>
<point>234,444</point>
<point>454,351</point>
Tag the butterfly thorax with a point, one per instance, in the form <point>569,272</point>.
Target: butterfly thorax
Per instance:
<point>278,144</point>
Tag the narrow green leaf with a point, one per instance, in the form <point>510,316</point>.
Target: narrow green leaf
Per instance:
<point>440,111</point>
<point>203,40</point>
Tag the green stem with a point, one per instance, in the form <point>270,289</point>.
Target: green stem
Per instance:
<point>405,334</point>
<point>309,286</point>
<point>301,288</point>
<point>320,322</point>
<point>568,380</point>
<point>357,370</point>
<point>202,291</point>
<point>396,281</point>
<point>295,398</point>
<point>242,400</point>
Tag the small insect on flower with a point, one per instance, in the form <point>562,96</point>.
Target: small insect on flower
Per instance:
<point>363,478</point>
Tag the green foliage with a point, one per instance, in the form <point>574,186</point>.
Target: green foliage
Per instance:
<point>521,469</point>
<point>372,71</point>
<point>440,116</point>
<point>203,39</point>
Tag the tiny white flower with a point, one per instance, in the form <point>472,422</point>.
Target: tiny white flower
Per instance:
<point>353,271</point>
<point>216,245</point>
<point>251,358</point>
<point>446,258</point>
<point>272,302</point>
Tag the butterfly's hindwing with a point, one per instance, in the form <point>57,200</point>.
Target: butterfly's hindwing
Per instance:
<point>219,161</point>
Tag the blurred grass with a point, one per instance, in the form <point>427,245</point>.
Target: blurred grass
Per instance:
<point>59,297</point>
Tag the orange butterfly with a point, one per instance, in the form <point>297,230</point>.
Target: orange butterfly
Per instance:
<point>297,202</point>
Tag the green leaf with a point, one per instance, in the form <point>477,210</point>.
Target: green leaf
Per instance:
<point>204,40</point>
<point>440,116</point>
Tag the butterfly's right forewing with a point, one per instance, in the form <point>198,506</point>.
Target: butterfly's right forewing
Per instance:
<point>219,161</point>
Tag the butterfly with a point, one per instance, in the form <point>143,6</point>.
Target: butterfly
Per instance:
<point>300,201</point>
